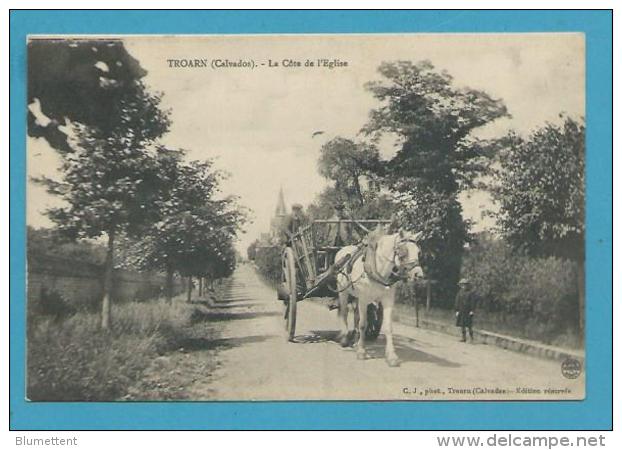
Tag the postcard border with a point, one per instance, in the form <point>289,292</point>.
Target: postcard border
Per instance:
<point>593,413</point>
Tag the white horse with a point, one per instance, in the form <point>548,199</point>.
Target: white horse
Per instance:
<point>372,277</point>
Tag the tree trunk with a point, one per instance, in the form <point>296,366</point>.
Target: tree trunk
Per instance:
<point>357,188</point>
<point>428,296</point>
<point>108,273</point>
<point>169,284</point>
<point>414,291</point>
<point>189,290</point>
<point>200,286</point>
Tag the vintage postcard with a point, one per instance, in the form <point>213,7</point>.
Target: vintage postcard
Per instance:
<point>306,217</point>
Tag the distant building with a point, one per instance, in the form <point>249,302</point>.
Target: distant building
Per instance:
<point>277,223</point>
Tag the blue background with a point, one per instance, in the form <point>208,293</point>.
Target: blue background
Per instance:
<point>593,413</point>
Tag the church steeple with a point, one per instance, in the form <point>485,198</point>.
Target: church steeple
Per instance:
<point>281,210</point>
<point>278,221</point>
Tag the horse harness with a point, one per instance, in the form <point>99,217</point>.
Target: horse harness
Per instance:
<point>367,252</point>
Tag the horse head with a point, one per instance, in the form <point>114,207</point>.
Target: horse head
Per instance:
<point>391,257</point>
<point>407,264</point>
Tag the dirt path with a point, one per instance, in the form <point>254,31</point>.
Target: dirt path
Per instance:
<point>238,352</point>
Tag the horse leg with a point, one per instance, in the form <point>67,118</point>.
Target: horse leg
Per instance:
<point>360,349</point>
<point>389,352</point>
<point>357,319</point>
<point>343,319</point>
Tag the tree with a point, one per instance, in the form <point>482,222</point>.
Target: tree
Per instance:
<point>438,217</point>
<point>205,255</point>
<point>437,157</point>
<point>251,251</point>
<point>195,229</point>
<point>540,188</point>
<point>112,179</point>
<point>77,80</point>
<point>226,261</point>
<point>353,170</point>
<point>346,164</point>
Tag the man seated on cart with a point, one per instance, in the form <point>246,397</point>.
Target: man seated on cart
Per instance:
<point>341,234</point>
<point>294,223</point>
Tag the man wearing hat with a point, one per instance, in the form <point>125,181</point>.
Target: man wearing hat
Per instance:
<point>340,234</point>
<point>294,222</point>
<point>465,305</point>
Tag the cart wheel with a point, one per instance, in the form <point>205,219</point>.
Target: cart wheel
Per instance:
<point>374,321</point>
<point>289,271</point>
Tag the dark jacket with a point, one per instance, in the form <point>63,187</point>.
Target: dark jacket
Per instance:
<point>465,304</point>
<point>341,234</point>
<point>292,225</point>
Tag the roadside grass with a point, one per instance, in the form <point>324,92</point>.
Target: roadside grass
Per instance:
<point>72,359</point>
<point>508,324</point>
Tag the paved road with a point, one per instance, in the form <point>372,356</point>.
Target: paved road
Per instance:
<point>240,353</point>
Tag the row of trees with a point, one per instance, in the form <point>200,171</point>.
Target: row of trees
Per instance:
<point>537,181</point>
<point>117,181</point>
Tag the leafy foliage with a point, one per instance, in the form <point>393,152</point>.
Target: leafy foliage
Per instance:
<point>538,292</point>
<point>438,217</point>
<point>251,250</point>
<point>113,177</point>
<point>540,189</point>
<point>348,164</point>
<point>376,205</point>
<point>78,80</point>
<point>423,106</point>
<point>516,294</point>
<point>438,156</point>
<point>353,169</point>
<point>195,231</point>
<point>268,261</point>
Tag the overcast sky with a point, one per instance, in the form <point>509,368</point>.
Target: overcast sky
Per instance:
<point>259,123</point>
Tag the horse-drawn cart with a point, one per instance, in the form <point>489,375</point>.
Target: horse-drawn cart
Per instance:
<point>309,270</point>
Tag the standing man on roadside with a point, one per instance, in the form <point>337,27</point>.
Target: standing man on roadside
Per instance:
<point>465,307</point>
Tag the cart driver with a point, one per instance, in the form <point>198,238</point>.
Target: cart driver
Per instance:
<point>293,223</point>
<point>341,234</point>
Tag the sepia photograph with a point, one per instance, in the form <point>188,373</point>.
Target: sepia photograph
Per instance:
<point>329,217</point>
